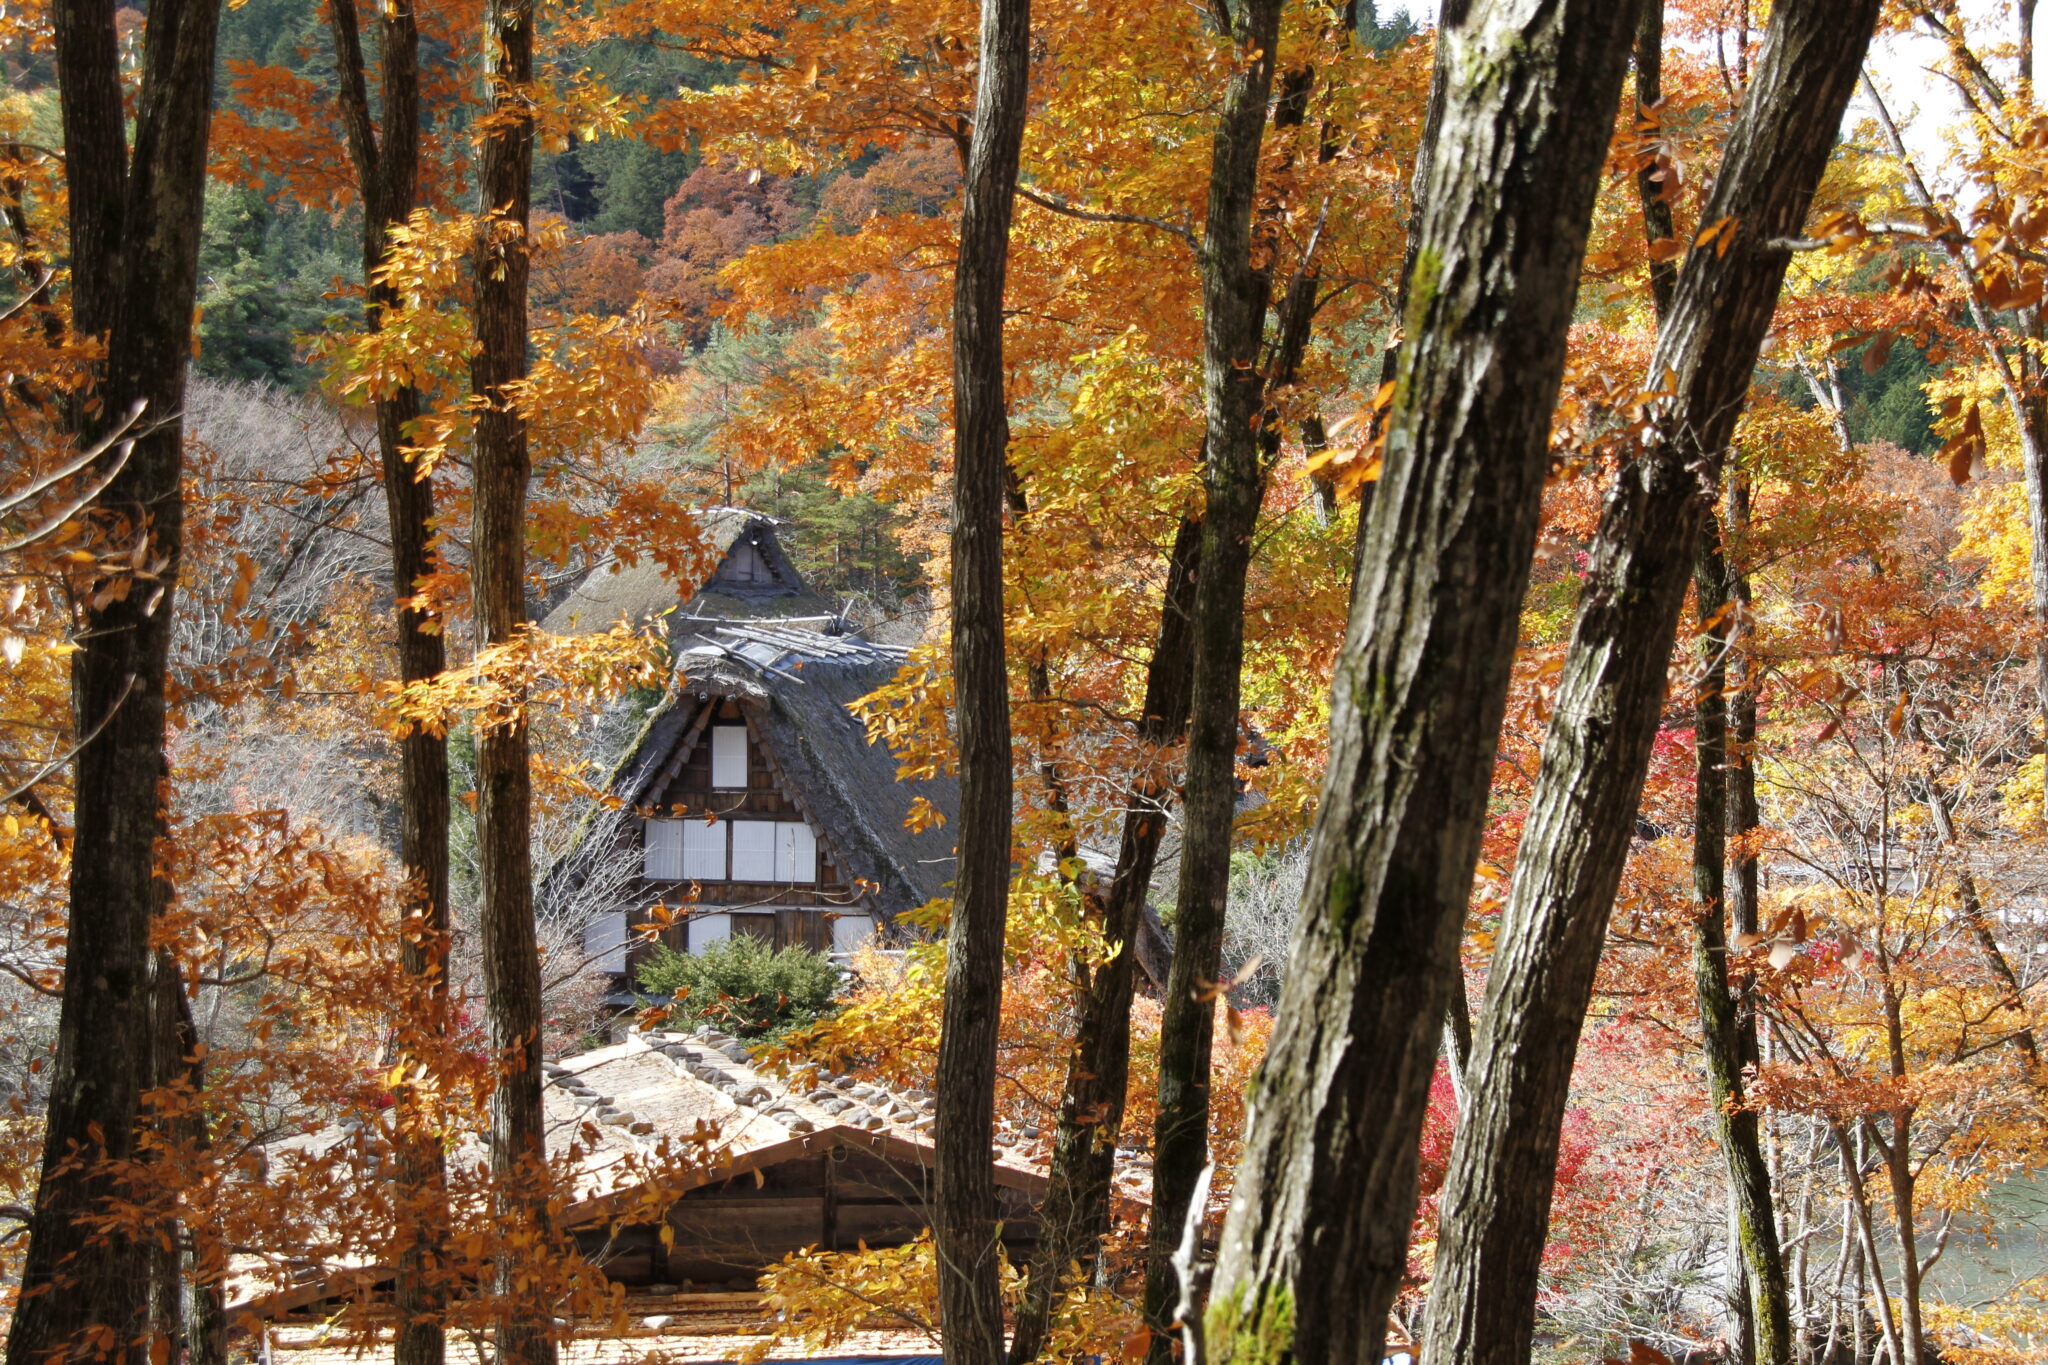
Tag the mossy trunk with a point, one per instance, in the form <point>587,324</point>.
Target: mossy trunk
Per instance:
<point>1496,1200</point>
<point>1236,290</point>
<point>1728,1031</point>
<point>1315,1246</point>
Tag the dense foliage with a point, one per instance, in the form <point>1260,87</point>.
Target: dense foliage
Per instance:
<point>742,985</point>
<point>744,233</point>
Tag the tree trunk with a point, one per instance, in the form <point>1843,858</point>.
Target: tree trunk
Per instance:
<point>964,1204</point>
<point>1235,293</point>
<point>1728,1034</point>
<point>1869,1263</point>
<point>386,163</point>
<point>1742,893</point>
<point>1316,1243</point>
<point>171,1040</point>
<point>2019,374</point>
<point>504,791</point>
<point>387,169</point>
<point>1496,1201</point>
<point>1653,177</point>
<point>192,1263</point>
<point>1074,1216</point>
<point>134,276</point>
<point>1744,817</point>
<point>1898,1161</point>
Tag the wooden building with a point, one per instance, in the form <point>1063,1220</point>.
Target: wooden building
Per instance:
<point>757,805</point>
<point>755,802</point>
<point>820,1161</point>
<point>825,1162</point>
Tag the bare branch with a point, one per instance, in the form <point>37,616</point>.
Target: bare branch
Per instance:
<point>1071,210</point>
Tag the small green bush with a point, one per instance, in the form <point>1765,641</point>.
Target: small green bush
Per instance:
<point>742,986</point>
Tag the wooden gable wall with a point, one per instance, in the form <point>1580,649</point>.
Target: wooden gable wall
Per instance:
<point>783,913</point>
<point>835,1200</point>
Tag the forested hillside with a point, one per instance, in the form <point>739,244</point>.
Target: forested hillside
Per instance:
<point>1447,614</point>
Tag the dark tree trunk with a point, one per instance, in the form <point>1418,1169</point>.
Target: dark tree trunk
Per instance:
<point>1316,1243</point>
<point>504,790</point>
<point>1235,294</point>
<point>964,1206</point>
<point>171,1039</point>
<point>1652,189</point>
<point>1728,1031</point>
<point>1496,1200</point>
<point>1074,1216</point>
<point>191,1276</point>
<point>387,168</point>
<point>1743,814</point>
<point>135,227</point>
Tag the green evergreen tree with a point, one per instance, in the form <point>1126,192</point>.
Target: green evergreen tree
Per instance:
<point>1890,405</point>
<point>265,276</point>
<point>742,986</point>
<point>633,181</point>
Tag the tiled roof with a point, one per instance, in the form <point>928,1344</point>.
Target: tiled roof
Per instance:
<point>619,1103</point>
<point>662,1084</point>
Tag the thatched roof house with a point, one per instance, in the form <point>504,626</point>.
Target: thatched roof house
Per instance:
<point>755,789</point>
<point>753,799</point>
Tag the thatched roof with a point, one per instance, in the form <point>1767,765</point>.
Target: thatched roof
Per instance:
<point>747,574</point>
<point>796,687</point>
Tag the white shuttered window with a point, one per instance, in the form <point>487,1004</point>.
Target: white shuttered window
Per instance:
<point>604,942</point>
<point>796,852</point>
<point>704,850</point>
<point>664,852</point>
<point>781,851</point>
<point>729,757</point>
<point>851,932</point>
<point>753,851</point>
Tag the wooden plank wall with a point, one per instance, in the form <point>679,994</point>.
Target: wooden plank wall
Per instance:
<point>834,1200</point>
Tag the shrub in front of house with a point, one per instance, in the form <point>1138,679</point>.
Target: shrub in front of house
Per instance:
<point>742,986</point>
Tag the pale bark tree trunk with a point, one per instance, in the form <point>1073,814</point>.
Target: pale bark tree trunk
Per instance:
<point>1869,1263</point>
<point>964,1204</point>
<point>1074,1216</point>
<point>135,225</point>
<point>1496,1200</point>
<point>1316,1242</point>
<point>504,789</point>
<point>1897,1153</point>
<point>1235,294</point>
<point>1900,1176</point>
<point>386,160</point>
